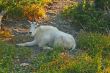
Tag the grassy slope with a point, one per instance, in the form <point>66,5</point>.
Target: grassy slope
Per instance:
<point>56,61</point>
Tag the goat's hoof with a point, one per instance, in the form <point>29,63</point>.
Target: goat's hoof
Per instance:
<point>19,45</point>
<point>49,48</point>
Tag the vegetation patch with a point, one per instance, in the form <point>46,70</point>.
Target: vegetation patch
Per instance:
<point>85,16</point>
<point>47,61</point>
<point>93,42</point>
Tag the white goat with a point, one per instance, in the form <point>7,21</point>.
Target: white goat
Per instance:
<point>48,36</point>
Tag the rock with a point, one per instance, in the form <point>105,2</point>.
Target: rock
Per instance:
<point>24,64</point>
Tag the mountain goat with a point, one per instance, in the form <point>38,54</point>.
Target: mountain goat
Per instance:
<point>48,37</point>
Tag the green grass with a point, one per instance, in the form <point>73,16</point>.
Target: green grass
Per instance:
<point>58,61</point>
<point>11,57</point>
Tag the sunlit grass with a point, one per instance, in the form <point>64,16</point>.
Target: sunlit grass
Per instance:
<point>53,61</point>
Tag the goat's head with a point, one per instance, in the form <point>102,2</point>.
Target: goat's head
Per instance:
<point>33,27</point>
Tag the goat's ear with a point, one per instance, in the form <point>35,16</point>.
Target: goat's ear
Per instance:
<point>30,22</point>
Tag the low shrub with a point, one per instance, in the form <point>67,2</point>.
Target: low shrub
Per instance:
<point>34,11</point>
<point>65,64</point>
<point>15,12</point>
<point>85,16</point>
<point>93,42</point>
<point>17,9</point>
<point>97,46</point>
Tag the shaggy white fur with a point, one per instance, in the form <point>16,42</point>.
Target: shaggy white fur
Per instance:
<point>49,37</point>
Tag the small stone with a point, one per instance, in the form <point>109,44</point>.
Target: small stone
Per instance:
<point>24,64</point>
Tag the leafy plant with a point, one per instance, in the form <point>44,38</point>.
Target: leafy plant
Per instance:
<point>97,46</point>
<point>5,33</point>
<point>102,4</point>
<point>85,16</point>
<point>15,12</point>
<point>93,42</point>
<point>16,8</point>
<point>34,11</point>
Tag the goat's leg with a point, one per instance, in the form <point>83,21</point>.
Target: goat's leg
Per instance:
<point>44,46</point>
<point>49,48</point>
<point>27,43</point>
